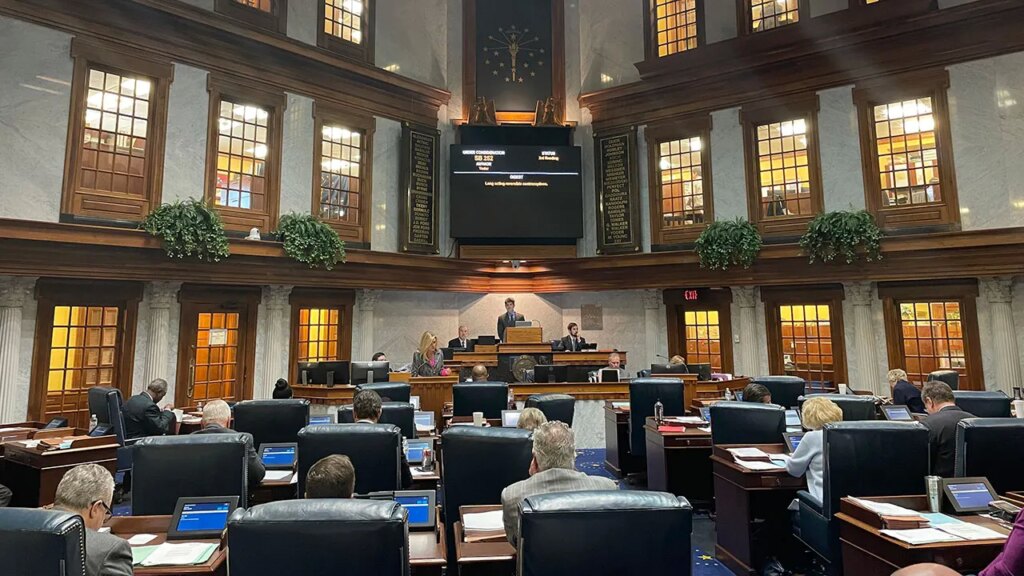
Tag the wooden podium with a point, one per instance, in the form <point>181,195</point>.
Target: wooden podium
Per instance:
<point>524,335</point>
<point>433,391</point>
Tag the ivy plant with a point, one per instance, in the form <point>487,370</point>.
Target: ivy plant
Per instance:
<point>728,243</point>
<point>310,241</point>
<point>843,233</point>
<point>189,228</point>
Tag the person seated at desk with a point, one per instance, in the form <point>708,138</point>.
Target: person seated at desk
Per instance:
<point>428,360</point>
<point>614,363</point>
<point>282,391</point>
<point>1009,562</point>
<point>573,342</point>
<point>904,393</point>
<point>462,342</point>
<point>216,417</point>
<point>530,419</point>
<point>5,496</point>
<point>331,477</point>
<point>757,393</point>
<point>808,458</point>
<point>379,357</point>
<point>479,374</point>
<point>943,416</point>
<point>142,416</point>
<point>366,408</point>
<point>87,490</point>
<point>553,469</point>
<point>509,318</point>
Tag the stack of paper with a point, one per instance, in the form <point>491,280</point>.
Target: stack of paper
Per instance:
<point>884,508</point>
<point>691,420</point>
<point>968,531</point>
<point>277,475</point>
<point>758,465</point>
<point>749,454</point>
<point>483,527</point>
<point>167,554</point>
<point>921,536</point>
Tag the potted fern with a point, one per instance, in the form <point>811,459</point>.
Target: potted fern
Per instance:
<point>190,228</point>
<point>728,243</point>
<point>843,233</point>
<point>310,241</point>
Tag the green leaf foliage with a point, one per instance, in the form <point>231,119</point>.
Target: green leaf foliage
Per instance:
<point>844,233</point>
<point>310,241</point>
<point>728,243</point>
<point>189,228</point>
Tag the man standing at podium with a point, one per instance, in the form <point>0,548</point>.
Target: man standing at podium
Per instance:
<point>573,342</point>
<point>509,318</point>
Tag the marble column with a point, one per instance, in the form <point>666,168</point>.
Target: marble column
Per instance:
<point>652,307</point>
<point>747,359</point>
<point>366,300</point>
<point>999,293</point>
<point>865,336</point>
<point>13,292</point>
<point>275,341</point>
<point>161,297</point>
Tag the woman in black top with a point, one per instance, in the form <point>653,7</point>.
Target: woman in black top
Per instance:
<point>282,390</point>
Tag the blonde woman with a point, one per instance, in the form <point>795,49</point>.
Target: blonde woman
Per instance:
<point>530,418</point>
<point>903,392</point>
<point>428,360</point>
<point>808,457</point>
<point>676,360</point>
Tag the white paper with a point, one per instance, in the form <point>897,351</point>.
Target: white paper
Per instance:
<point>104,529</point>
<point>746,453</point>
<point>758,465</point>
<point>179,414</point>
<point>422,428</point>
<point>484,521</point>
<point>295,479</point>
<point>277,475</point>
<point>920,536</point>
<point>184,554</point>
<point>686,419</point>
<point>885,509</point>
<point>782,459</point>
<point>140,539</point>
<point>30,444</point>
<point>705,429</point>
<point>969,531</point>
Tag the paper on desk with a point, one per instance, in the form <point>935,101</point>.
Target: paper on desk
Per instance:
<point>423,428</point>
<point>747,453</point>
<point>920,536</point>
<point>487,521</point>
<point>418,471</point>
<point>140,539</point>
<point>184,554</point>
<point>178,413</point>
<point>781,459</point>
<point>707,429</point>
<point>758,465</point>
<point>277,474</point>
<point>685,419</point>
<point>969,531</point>
<point>885,509</point>
<point>936,519</point>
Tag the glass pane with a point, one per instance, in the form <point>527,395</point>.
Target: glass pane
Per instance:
<point>932,337</point>
<point>340,174</point>
<point>681,182</point>
<point>782,161</point>
<point>318,334</point>
<point>807,341</point>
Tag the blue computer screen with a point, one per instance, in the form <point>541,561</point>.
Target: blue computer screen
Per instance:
<point>795,441</point>
<point>319,419</point>
<point>705,412</point>
<point>973,495</point>
<point>418,507</point>
<point>425,419</point>
<point>898,413</point>
<point>415,451</point>
<point>203,516</point>
<point>279,455</point>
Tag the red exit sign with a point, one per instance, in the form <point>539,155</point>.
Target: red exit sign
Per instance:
<point>690,295</point>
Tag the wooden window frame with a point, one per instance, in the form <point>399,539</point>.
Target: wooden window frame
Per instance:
<point>325,114</point>
<point>300,298</point>
<point>51,292</point>
<point>805,107</point>
<point>363,52</point>
<point>833,295</point>
<point>744,18</point>
<point>93,205</point>
<point>718,299</point>
<point>934,83</point>
<point>239,91</point>
<point>276,20</point>
<point>699,126</point>
<point>651,31</point>
<point>963,291</point>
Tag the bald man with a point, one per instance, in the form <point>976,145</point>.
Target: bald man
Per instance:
<point>926,570</point>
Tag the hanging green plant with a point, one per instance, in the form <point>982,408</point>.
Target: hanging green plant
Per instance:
<point>310,241</point>
<point>728,243</point>
<point>843,233</point>
<point>188,228</point>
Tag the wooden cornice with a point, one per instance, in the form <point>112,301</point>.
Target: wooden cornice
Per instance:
<point>832,50</point>
<point>217,43</point>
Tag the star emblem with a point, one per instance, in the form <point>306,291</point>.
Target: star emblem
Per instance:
<point>487,61</point>
<point>520,79</point>
<point>506,79</point>
<point>705,557</point>
<point>495,72</point>
<point>532,73</point>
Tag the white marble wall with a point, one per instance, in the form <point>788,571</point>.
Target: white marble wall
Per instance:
<point>170,373</point>
<point>819,7</point>
<point>840,150</point>
<point>296,159</point>
<point>302,24</point>
<point>727,167</point>
<point>643,181</point>
<point>611,41</point>
<point>719,21</point>
<point>875,379</point>
<point>25,350</point>
<point>412,39</point>
<point>37,70</point>
<point>187,117</point>
<point>1018,316</point>
<point>384,221</point>
<point>584,138</point>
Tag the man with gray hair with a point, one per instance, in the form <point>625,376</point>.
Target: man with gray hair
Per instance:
<point>142,416</point>
<point>216,418</point>
<point>87,490</point>
<point>553,469</point>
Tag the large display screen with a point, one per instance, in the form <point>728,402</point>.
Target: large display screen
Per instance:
<point>510,192</point>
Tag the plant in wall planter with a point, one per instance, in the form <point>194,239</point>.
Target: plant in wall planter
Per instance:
<point>844,233</point>
<point>310,241</point>
<point>190,228</point>
<point>728,243</point>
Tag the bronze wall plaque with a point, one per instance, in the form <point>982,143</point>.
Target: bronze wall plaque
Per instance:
<point>419,193</point>
<point>618,194</point>
<point>591,317</point>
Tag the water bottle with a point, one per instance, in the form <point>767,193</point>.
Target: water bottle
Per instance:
<point>199,407</point>
<point>428,459</point>
<point>93,423</point>
<point>659,412</point>
<point>511,399</point>
<point>728,394</point>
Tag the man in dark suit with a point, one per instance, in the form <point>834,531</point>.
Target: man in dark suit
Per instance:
<point>462,341</point>
<point>943,417</point>
<point>573,342</point>
<point>367,408</point>
<point>509,318</point>
<point>216,417</point>
<point>142,416</point>
<point>87,490</point>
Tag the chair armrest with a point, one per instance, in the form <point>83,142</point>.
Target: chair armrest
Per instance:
<point>807,500</point>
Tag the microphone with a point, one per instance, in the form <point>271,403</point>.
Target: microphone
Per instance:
<point>665,357</point>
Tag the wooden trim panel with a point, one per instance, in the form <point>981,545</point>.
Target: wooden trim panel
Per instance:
<point>718,299</point>
<point>275,21</point>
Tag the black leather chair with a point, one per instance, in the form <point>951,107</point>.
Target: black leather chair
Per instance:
<point>487,397</point>
<point>950,377</point>
<point>375,451</point>
<point>994,448</point>
<point>107,405</point>
<point>643,394</point>
<point>554,406</point>
<point>401,414</point>
<point>388,391</point>
<point>983,403</point>
<point>786,390</point>
<point>326,536</point>
<point>747,423</point>
<point>855,407</point>
<point>861,459</point>
<point>626,533</point>
<point>37,542</point>
<point>97,396</point>
<point>272,421</point>
<point>166,468</point>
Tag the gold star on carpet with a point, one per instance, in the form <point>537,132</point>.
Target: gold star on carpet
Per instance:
<point>502,64</point>
<point>705,557</point>
<point>487,61</point>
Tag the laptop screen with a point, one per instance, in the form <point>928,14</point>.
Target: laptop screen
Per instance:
<point>705,413</point>
<point>424,419</point>
<point>792,419</point>
<point>898,413</point>
<point>418,507</point>
<point>326,419</point>
<point>278,455</point>
<point>971,496</point>
<point>510,418</point>
<point>204,516</point>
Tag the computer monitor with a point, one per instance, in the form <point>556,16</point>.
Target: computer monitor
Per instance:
<point>449,353</point>
<point>589,346</point>
<point>101,430</point>
<point>969,495</point>
<point>669,369</point>
<point>329,373</point>
<point>524,323</point>
<point>550,373</point>
<point>897,413</point>
<point>421,506</point>
<point>279,456</point>
<point>608,375</point>
<point>366,372</point>
<point>201,518</point>
<point>486,340</point>
<point>323,419</point>
<point>703,371</point>
<point>705,413</point>
<point>424,420</point>
<point>793,419</point>
<point>414,449</point>
<point>793,440</point>
<point>58,422</point>
<point>510,418</point>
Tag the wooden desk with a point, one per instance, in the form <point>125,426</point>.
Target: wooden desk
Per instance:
<point>433,391</point>
<point>32,474</point>
<point>320,394</point>
<point>428,553</point>
<point>868,552</point>
<point>274,490</point>
<point>712,389</point>
<point>1015,498</point>
<point>128,526</point>
<point>482,557</point>
<point>524,335</point>
<point>680,463</point>
<point>578,390</point>
<point>617,457</point>
<point>743,496</point>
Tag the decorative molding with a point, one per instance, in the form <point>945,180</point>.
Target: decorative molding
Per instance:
<point>744,296</point>
<point>998,290</point>
<point>14,290</point>
<point>162,295</point>
<point>276,297</point>
<point>367,299</point>
<point>859,293</point>
<point>652,299</point>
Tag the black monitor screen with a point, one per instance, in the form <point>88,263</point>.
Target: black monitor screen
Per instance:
<point>703,371</point>
<point>550,373</point>
<point>418,507</point>
<point>361,372</point>
<point>669,369</point>
<point>204,516</point>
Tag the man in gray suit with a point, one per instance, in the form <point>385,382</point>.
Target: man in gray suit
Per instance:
<point>553,469</point>
<point>87,490</point>
<point>216,418</point>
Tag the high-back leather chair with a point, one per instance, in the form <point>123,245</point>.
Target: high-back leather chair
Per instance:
<point>983,403</point>
<point>554,406</point>
<point>106,404</point>
<point>374,449</point>
<point>950,377</point>
<point>272,421</point>
<point>786,390</point>
<point>166,468</point>
<point>98,406</point>
<point>643,394</point>
<point>862,459</point>
<point>487,397</point>
<point>388,391</point>
<point>855,407</point>
<point>627,533</point>
<point>401,414</point>
<point>41,542</point>
<point>747,423</point>
<point>325,536</point>
<point>994,448</point>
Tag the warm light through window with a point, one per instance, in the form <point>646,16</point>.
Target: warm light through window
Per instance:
<point>768,14</point>
<point>676,25</point>
<point>933,338</point>
<point>344,19</point>
<point>806,331</point>
<point>908,159</point>
<point>83,354</point>
<point>785,180</point>
<point>242,156</point>
<point>116,132</point>
<point>703,338</point>
<point>681,181</point>
<point>261,5</point>
<point>318,334</point>
<point>340,173</point>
